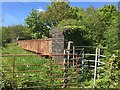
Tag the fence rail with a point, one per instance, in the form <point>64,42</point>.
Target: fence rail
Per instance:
<point>52,74</point>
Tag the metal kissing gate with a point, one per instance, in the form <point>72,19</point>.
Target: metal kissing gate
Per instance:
<point>90,59</point>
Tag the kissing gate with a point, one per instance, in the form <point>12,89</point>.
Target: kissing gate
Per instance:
<point>64,67</point>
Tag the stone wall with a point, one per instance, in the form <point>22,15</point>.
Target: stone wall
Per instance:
<point>57,43</point>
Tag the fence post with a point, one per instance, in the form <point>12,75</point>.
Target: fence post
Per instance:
<point>77,68</point>
<point>73,55</point>
<point>98,59</point>
<point>82,60</point>
<point>65,71</point>
<point>51,71</point>
<point>95,66</point>
<point>13,67</point>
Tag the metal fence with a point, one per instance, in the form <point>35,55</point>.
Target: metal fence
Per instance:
<point>34,71</point>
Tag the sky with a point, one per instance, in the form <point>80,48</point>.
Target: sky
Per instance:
<point>14,13</point>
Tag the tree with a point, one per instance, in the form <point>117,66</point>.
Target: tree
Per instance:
<point>37,28</point>
<point>5,35</point>
<point>118,22</point>
<point>90,18</point>
<point>40,23</point>
<point>109,20</point>
<point>56,12</point>
<point>111,36</point>
<point>11,33</point>
<point>109,13</point>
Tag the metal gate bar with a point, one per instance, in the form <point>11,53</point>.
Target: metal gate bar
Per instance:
<point>51,73</point>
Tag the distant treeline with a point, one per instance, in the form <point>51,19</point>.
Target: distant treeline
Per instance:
<point>12,33</point>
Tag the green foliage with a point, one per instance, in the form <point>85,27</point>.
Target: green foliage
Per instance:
<point>5,35</point>
<point>110,77</point>
<point>41,22</point>
<point>111,36</point>
<point>11,33</point>
<point>67,22</point>
<point>118,20</point>
<point>56,12</point>
<point>109,13</point>
<point>34,22</point>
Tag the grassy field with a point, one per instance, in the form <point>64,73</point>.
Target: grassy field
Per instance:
<point>37,78</point>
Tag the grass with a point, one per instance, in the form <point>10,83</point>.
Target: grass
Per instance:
<point>39,77</point>
<point>13,48</point>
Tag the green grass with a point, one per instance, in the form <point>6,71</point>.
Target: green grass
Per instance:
<point>13,48</point>
<point>44,67</point>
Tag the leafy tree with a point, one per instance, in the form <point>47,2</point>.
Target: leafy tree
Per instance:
<point>93,26</point>
<point>109,13</point>
<point>41,22</point>
<point>37,28</point>
<point>5,35</point>
<point>118,20</point>
<point>11,33</point>
<point>111,36</point>
<point>110,24</point>
<point>56,12</point>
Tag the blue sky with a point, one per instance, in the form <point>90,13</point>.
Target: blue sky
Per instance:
<point>14,13</point>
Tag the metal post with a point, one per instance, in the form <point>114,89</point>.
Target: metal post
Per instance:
<point>65,72</point>
<point>68,51</point>
<point>13,65</point>
<point>98,59</point>
<point>76,68</point>
<point>73,55</point>
<point>82,60</point>
<point>95,66</point>
<point>51,71</point>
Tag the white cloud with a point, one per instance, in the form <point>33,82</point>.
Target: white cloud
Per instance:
<point>40,9</point>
